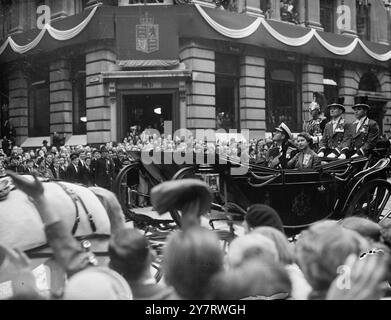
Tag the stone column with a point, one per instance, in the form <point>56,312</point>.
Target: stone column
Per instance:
<point>275,7</point>
<point>312,81</point>
<point>201,102</point>
<point>252,96</point>
<point>350,30</point>
<point>379,23</point>
<point>253,8</point>
<point>18,17</point>
<point>18,104</point>
<point>312,17</point>
<point>385,84</point>
<point>61,9</point>
<point>99,59</point>
<point>60,97</point>
<point>348,89</point>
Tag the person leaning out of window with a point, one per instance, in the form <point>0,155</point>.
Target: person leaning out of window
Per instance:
<point>306,158</point>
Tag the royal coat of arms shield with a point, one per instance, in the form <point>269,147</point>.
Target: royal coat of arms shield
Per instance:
<point>147,35</point>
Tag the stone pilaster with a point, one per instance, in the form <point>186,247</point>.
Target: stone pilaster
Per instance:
<point>18,17</point>
<point>385,84</point>
<point>61,9</point>
<point>253,8</point>
<point>252,96</point>
<point>312,15</point>
<point>98,96</point>
<point>60,97</point>
<point>348,89</point>
<point>312,81</point>
<point>18,104</point>
<point>349,30</point>
<point>201,102</point>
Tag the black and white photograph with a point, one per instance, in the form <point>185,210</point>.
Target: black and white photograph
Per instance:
<point>213,152</point>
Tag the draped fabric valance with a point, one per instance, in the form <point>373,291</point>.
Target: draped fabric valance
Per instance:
<point>190,22</point>
<point>94,24</point>
<point>291,41</point>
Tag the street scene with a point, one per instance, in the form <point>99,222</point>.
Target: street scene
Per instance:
<point>195,150</point>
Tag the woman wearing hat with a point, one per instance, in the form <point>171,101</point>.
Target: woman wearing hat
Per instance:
<point>365,131</point>
<point>336,138</point>
<point>306,158</point>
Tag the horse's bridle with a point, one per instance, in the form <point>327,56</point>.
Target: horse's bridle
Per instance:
<point>77,199</point>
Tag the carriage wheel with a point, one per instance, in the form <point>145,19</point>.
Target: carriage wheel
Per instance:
<point>370,200</point>
<point>131,187</point>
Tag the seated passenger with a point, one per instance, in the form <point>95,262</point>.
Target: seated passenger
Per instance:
<point>306,158</point>
<point>284,150</point>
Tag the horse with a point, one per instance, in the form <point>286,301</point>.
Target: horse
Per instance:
<point>89,213</point>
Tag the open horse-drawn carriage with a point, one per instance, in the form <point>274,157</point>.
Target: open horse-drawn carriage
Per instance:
<point>334,190</point>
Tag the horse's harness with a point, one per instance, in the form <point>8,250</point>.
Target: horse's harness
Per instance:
<point>77,199</point>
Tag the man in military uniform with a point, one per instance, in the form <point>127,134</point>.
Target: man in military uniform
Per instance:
<point>336,138</point>
<point>365,132</point>
<point>285,149</point>
<point>315,126</point>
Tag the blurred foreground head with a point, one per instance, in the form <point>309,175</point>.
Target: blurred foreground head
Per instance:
<point>323,249</point>
<point>191,258</point>
<point>97,283</point>
<point>255,279</point>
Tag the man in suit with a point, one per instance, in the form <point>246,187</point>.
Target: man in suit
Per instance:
<point>57,170</point>
<point>72,173</point>
<point>84,173</point>
<point>104,170</point>
<point>30,167</point>
<point>285,150</point>
<point>365,132</point>
<point>336,138</point>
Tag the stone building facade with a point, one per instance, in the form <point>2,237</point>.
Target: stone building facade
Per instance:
<point>86,91</point>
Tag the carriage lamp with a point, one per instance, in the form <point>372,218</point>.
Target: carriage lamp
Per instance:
<point>212,180</point>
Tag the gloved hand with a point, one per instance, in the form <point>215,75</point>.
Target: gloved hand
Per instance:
<point>315,139</point>
<point>321,154</point>
<point>355,155</point>
<point>331,156</point>
<point>342,156</point>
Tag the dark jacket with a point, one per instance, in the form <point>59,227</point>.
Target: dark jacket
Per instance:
<point>337,141</point>
<point>364,141</point>
<point>72,175</point>
<point>104,172</point>
<point>279,156</point>
<point>58,175</point>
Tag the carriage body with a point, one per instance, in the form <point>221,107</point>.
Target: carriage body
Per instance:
<point>300,197</point>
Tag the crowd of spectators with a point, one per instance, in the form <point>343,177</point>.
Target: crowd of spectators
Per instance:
<point>347,259</point>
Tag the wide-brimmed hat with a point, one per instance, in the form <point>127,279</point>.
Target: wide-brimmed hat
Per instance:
<point>285,129</point>
<point>361,101</point>
<point>337,102</point>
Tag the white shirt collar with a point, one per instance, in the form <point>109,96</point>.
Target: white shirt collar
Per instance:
<point>336,120</point>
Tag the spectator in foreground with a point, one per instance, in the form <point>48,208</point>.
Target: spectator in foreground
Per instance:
<point>191,259</point>
<point>261,215</point>
<point>131,256</point>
